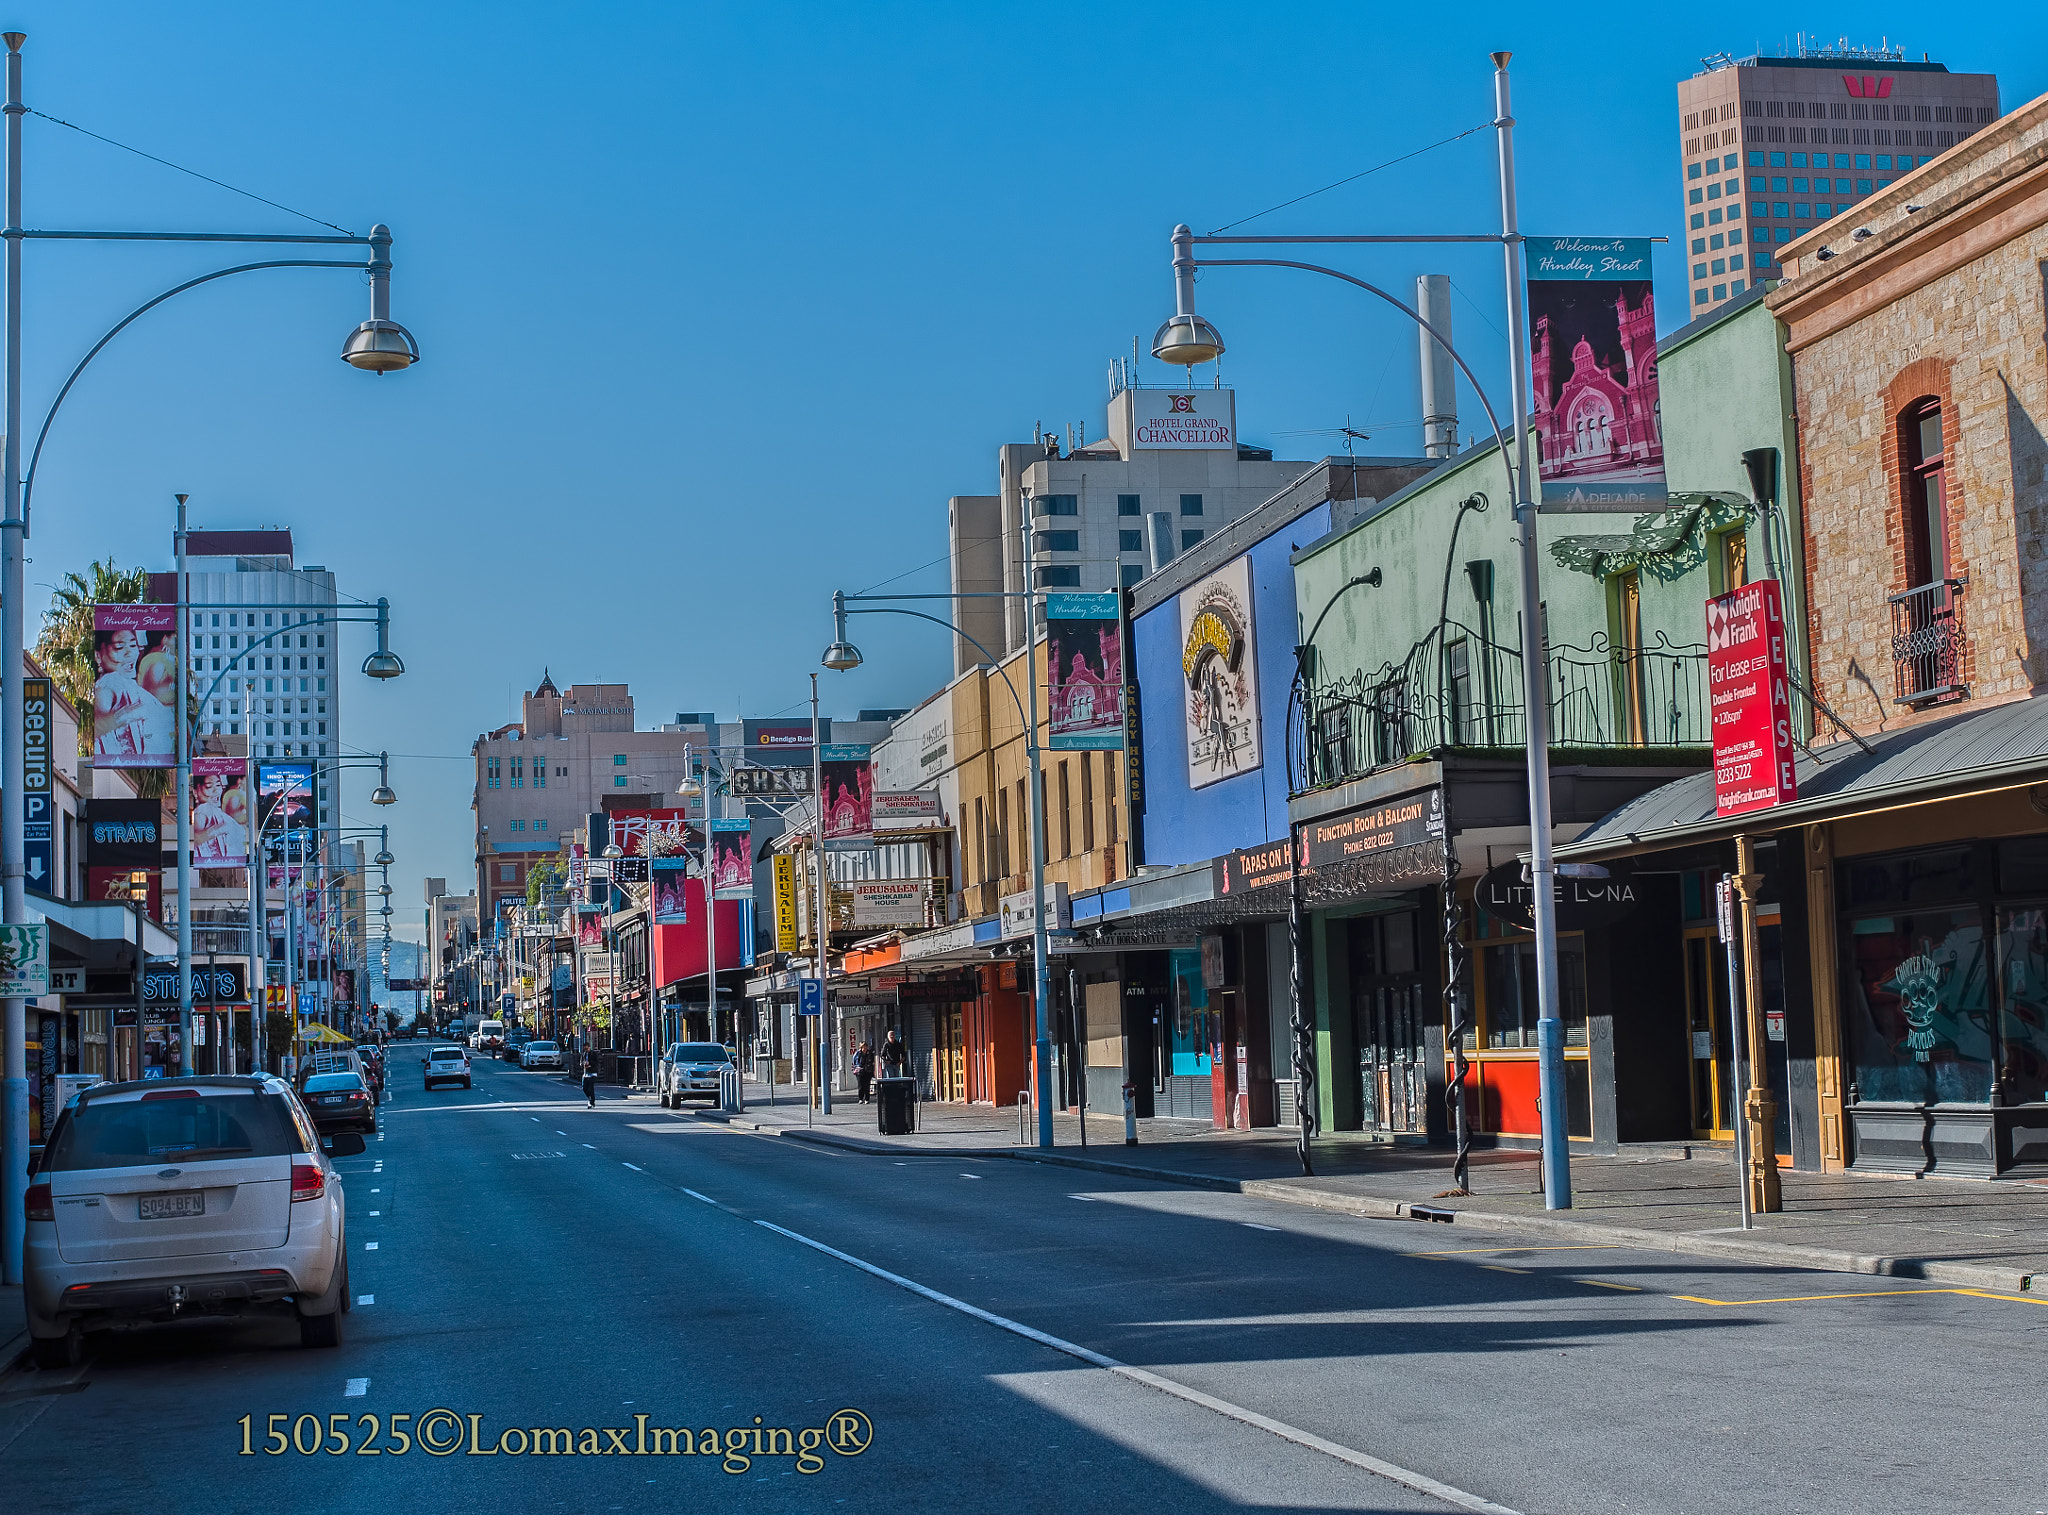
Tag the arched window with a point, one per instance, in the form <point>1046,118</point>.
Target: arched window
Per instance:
<point>1926,487</point>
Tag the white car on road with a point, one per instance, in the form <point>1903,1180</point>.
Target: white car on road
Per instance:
<point>446,1065</point>
<point>160,1199</point>
<point>540,1055</point>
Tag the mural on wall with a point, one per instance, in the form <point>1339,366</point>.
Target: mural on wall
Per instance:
<point>1220,669</point>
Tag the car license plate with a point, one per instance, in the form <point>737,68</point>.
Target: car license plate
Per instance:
<point>332,1099</point>
<point>171,1206</point>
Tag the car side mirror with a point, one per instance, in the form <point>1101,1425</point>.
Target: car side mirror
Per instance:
<point>343,1144</point>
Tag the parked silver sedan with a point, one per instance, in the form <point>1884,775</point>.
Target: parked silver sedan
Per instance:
<point>540,1055</point>
<point>164,1198</point>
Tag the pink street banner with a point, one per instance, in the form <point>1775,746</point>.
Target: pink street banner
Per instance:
<point>732,859</point>
<point>1593,328</point>
<point>849,780</point>
<point>135,648</point>
<point>220,812</point>
<point>1084,672</point>
<point>671,894</point>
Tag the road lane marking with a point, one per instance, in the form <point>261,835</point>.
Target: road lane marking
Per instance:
<point>970,1175</point>
<point>1463,1251</point>
<point>1254,1225</point>
<point>1498,1268</point>
<point>587,1144</point>
<point>366,1299</point>
<point>1601,1283</point>
<point>375,1213</point>
<point>369,1246</point>
<point>705,1197</point>
<point>1421,1482</point>
<point>1086,1199</point>
<point>636,1169</point>
<point>356,1388</point>
<point>1800,1299</point>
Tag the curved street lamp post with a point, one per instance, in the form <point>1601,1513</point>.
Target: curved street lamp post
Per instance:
<point>1188,339</point>
<point>378,345</point>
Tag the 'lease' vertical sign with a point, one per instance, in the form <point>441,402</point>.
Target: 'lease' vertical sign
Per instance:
<point>1750,698</point>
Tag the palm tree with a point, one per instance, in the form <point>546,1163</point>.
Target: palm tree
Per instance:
<point>65,646</point>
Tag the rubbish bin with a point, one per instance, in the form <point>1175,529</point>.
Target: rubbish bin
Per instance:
<point>895,1111</point>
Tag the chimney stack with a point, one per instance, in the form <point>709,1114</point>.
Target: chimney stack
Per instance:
<point>1439,380</point>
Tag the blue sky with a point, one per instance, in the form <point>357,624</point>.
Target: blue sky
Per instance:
<point>720,303</point>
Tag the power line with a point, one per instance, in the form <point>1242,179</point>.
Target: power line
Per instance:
<point>1362,173</point>
<point>167,163</point>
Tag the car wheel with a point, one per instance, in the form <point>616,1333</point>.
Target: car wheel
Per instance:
<point>348,1300</point>
<point>324,1330</point>
<point>466,1084</point>
<point>65,1351</point>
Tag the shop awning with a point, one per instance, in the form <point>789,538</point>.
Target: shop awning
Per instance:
<point>1999,748</point>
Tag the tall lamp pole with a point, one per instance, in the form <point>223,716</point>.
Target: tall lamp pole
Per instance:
<point>378,345</point>
<point>1188,339</point>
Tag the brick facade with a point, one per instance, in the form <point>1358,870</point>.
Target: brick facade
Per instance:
<point>1945,300</point>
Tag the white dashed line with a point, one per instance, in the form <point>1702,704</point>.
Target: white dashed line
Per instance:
<point>636,1170</point>
<point>1086,1199</point>
<point>369,1246</point>
<point>970,1175</point>
<point>356,1388</point>
<point>375,1213</point>
<point>1256,1226</point>
<point>366,1299</point>
<point>705,1197</point>
<point>587,1144</point>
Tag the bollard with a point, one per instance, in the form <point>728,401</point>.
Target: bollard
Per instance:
<point>1130,1115</point>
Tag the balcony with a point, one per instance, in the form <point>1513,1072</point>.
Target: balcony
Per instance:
<point>1927,640</point>
<point>1459,690</point>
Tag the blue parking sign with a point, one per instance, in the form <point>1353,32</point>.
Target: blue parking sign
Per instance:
<point>810,996</point>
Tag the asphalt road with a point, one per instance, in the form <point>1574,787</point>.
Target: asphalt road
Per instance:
<point>524,1261</point>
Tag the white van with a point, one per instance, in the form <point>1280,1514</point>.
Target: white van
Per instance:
<point>490,1035</point>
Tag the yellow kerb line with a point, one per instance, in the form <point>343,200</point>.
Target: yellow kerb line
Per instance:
<point>1499,1268</point>
<point>1800,1299</point>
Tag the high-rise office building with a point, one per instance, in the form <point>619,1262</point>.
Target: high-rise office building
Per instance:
<point>1773,147</point>
<point>263,658</point>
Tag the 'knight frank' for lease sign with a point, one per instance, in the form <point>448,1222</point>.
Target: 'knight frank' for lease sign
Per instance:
<point>1751,700</point>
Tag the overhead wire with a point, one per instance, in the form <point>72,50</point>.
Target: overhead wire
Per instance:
<point>179,167</point>
<point>1354,178</point>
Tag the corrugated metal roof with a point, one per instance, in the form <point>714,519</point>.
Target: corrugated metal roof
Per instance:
<point>2005,744</point>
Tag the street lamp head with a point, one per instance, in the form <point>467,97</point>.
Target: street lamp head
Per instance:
<point>842,656</point>
<point>614,851</point>
<point>1187,340</point>
<point>384,795</point>
<point>383,664</point>
<point>384,859</point>
<point>380,347</point>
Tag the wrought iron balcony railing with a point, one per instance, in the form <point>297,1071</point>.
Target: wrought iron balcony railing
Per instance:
<point>1927,642</point>
<point>1457,689</point>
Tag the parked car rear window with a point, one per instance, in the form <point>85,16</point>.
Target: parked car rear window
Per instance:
<point>700,1052</point>
<point>540,1046</point>
<point>446,1055</point>
<point>130,1133</point>
<point>321,1082</point>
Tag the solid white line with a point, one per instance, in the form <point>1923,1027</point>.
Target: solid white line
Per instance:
<point>356,1388</point>
<point>636,1170</point>
<point>1420,1482</point>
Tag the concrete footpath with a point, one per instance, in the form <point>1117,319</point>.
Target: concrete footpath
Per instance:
<point>1676,1198</point>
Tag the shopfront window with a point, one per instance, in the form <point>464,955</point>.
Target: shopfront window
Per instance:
<point>1918,1020</point>
<point>2023,1005</point>
<point>1190,1028</point>
<point>1509,971</point>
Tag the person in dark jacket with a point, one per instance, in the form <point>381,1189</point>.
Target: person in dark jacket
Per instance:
<point>894,1055</point>
<point>590,1078</point>
<point>864,1068</point>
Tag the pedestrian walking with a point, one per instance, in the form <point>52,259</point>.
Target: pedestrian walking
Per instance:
<point>894,1055</point>
<point>590,1078</point>
<point>864,1068</point>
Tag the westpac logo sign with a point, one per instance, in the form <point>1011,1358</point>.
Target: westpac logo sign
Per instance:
<point>1867,88</point>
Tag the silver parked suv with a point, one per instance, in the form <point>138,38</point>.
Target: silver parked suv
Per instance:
<point>170,1197</point>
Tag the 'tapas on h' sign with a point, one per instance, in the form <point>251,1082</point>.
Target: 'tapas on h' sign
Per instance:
<point>1750,698</point>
